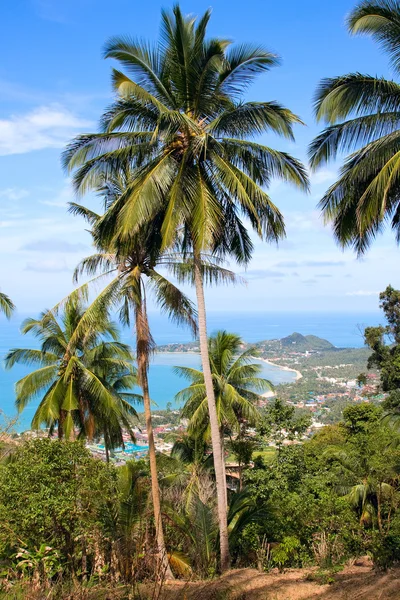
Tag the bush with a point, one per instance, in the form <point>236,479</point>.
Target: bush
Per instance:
<point>54,495</point>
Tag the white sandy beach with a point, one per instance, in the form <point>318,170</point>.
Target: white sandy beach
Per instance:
<point>269,362</point>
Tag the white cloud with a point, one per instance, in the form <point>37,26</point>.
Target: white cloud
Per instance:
<point>47,266</point>
<point>362,293</point>
<point>323,176</point>
<point>304,221</point>
<point>44,127</point>
<point>12,193</point>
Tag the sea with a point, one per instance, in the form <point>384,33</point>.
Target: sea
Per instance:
<point>344,330</point>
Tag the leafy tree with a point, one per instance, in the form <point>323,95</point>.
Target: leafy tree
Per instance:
<point>132,267</point>
<point>181,122</point>
<point>54,493</point>
<point>236,385</point>
<point>83,379</point>
<point>189,462</point>
<point>7,307</point>
<point>386,356</point>
<point>281,423</point>
<point>242,449</point>
<point>362,112</point>
<point>370,463</point>
<point>360,418</point>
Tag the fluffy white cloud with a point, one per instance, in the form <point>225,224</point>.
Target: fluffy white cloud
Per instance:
<point>44,127</point>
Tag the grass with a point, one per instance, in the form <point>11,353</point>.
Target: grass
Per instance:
<point>268,454</point>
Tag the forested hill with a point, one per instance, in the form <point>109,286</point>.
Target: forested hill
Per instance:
<point>301,343</point>
<point>296,342</point>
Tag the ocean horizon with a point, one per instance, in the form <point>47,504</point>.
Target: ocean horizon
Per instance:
<point>341,329</point>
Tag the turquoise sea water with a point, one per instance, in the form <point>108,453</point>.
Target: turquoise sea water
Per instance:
<point>343,330</point>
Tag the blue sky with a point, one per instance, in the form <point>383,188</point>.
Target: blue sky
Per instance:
<point>54,84</point>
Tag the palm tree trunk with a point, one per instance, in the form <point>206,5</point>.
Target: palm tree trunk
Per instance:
<point>142,351</point>
<point>212,410</point>
<point>223,465</point>
<point>60,428</point>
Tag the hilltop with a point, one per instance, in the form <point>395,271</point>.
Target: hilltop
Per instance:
<point>296,342</point>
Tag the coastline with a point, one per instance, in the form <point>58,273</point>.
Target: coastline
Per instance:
<point>283,368</point>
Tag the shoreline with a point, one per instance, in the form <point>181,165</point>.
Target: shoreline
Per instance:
<point>21,428</point>
<point>283,368</point>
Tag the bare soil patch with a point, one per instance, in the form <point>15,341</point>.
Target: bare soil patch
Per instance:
<point>358,582</point>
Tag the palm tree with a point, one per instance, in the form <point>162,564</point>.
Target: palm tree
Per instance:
<point>186,466</point>
<point>362,112</point>
<point>83,380</point>
<point>181,122</point>
<point>131,264</point>
<point>197,524</point>
<point>7,307</point>
<point>367,493</point>
<point>236,382</point>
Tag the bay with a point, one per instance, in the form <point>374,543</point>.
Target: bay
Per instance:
<point>342,329</point>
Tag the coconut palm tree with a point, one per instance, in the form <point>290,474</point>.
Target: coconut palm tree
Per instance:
<point>83,381</point>
<point>197,524</point>
<point>131,266</point>
<point>7,307</point>
<point>181,122</point>
<point>236,382</point>
<point>363,115</point>
<point>186,466</point>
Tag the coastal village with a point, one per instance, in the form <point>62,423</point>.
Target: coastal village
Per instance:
<point>323,387</point>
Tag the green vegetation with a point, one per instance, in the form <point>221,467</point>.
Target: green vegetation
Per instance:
<point>362,114</point>
<point>236,385</point>
<point>182,126</point>
<point>7,307</point>
<point>182,179</point>
<point>84,377</point>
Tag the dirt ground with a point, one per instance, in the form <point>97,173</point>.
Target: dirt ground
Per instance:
<point>358,582</point>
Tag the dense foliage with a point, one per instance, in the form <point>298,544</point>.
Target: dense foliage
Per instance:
<point>182,178</point>
<point>84,377</point>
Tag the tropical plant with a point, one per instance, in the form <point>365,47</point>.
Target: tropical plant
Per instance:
<point>369,465</point>
<point>131,265</point>
<point>7,307</point>
<point>188,463</point>
<point>362,112</point>
<point>181,122</point>
<point>55,499</point>
<point>127,527</point>
<point>84,378</point>
<point>236,385</point>
<point>197,522</point>
<point>280,422</point>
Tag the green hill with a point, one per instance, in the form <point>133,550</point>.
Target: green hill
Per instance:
<point>306,342</point>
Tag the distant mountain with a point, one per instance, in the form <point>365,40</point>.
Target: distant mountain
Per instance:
<point>306,342</point>
<point>296,342</point>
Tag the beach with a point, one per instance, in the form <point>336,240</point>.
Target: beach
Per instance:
<point>271,393</point>
<point>273,364</point>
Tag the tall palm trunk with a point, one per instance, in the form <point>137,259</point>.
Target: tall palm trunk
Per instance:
<point>142,351</point>
<point>212,410</point>
<point>223,464</point>
<point>60,428</point>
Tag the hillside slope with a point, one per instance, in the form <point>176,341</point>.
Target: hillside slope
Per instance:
<point>358,582</point>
